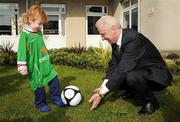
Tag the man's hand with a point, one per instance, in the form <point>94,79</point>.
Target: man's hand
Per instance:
<point>97,90</point>
<point>95,100</point>
<point>23,72</point>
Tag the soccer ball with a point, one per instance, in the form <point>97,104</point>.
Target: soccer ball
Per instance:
<point>71,95</point>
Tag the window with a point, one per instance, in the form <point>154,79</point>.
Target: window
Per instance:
<point>52,26</point>
<point>91,24</point>
<point>130,14</point>
<point>56,19</point>
<point>134,19</point>
<point>5,25</point>
<point>93,13</point>
<point>126,20</point>
<point>8,19</point>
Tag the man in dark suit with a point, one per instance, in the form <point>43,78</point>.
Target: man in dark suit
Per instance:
<point>136,66</point>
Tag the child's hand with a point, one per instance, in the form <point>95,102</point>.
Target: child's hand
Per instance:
<point>23,72</point>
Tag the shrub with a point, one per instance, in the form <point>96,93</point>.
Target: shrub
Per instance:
<point>177,62</point>
<point>91,58</point>
<point>7,55</point>
<point>175,67</point>
<point>172,56</point>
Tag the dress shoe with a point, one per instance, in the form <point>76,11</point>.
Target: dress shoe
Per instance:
<point>139,102</point>
<point>126,95</point>
<point>149,108</point>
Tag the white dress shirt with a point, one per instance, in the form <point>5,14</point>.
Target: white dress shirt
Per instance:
<point>104,90</point>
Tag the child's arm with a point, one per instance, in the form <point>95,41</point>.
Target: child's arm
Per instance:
<point>21,57</point>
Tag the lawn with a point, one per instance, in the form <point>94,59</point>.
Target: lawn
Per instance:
<point>17,100</point>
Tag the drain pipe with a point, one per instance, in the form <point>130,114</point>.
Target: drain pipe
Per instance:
<point>27,5</point>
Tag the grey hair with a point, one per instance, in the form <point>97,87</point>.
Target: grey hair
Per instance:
<point>108,22</point>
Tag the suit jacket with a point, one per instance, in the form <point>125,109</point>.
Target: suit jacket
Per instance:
<point>136,53</point>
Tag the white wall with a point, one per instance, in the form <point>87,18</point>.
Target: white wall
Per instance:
<point>160,22</point>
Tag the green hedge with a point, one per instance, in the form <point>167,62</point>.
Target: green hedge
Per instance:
<point>8,59</point>
<point>91,58</point>
<point>175,67</point>
<point>87,58</point>
<point>7,55</point>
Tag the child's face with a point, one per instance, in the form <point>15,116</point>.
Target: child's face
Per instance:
<point>35,25</point>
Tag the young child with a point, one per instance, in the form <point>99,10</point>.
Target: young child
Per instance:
<point>33,59</point>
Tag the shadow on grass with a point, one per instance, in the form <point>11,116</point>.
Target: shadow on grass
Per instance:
<point>169,106</point>
<point>65,81</point>
<point>56,116</point>
<point>22,119</point>
<point>115,95</point>
<point>3,68</point>
<point>111,97</point>
<point>10,83</point>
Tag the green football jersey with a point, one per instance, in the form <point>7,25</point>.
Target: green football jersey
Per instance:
<point>33,57</point>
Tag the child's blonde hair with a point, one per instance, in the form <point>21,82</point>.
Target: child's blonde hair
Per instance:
<point>35,12</point>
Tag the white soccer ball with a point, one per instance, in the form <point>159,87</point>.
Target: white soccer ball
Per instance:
<point>71,95</point>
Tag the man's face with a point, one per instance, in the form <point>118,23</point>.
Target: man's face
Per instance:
<point>107,35</point>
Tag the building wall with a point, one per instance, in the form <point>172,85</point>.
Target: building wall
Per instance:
<point>76,21</point>
<point>160,21</point>
<point>75,18</point>
<point>117,10</point>
<point>75,30</point>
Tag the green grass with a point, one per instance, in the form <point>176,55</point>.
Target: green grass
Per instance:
<point>17,100</point>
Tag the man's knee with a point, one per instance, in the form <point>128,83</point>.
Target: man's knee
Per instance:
<point>131,76</point>
<point>134,78</point>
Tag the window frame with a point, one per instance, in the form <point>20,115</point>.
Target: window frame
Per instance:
<point>13,15</point>
<point>61,28</point>
<point>91,14</point>
<point>130,9</point>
